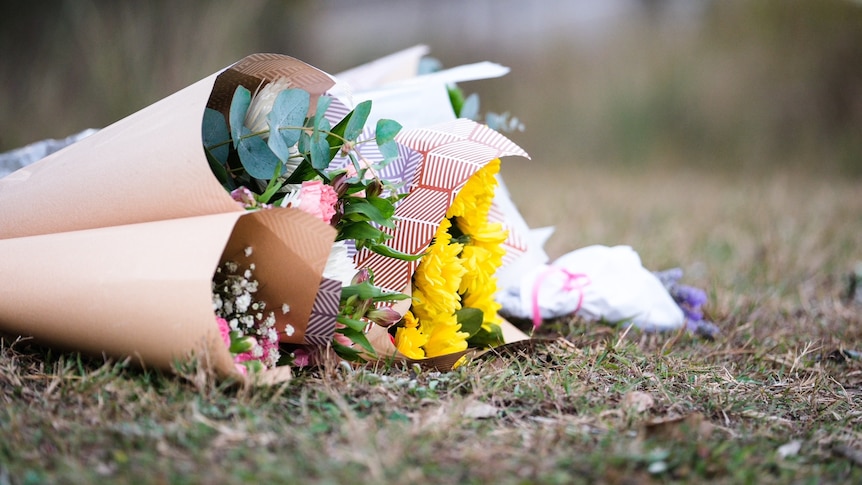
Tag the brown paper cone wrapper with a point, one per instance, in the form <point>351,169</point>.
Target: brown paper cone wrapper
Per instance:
<point>111,243</point>
<point>149,166</point>
<point>144,290</point>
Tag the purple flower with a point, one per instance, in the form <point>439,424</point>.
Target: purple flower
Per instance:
<point>690,300</point>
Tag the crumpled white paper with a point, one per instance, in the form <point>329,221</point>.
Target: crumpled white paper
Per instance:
<point>597,283</point>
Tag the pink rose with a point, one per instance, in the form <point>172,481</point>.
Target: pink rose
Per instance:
<point>318,199</point>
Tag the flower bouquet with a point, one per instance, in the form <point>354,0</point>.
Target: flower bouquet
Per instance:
<point>251,213</point>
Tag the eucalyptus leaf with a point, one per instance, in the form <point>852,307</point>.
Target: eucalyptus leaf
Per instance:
<point>216,136</point>
<point>470,107</point>
<point>356,123</point>
<point>238,109</point>
<point>322,105</point>
<point>386,131</point>
<point>255,156</point>
<point>389,150</point>
<point>318,145</point>
<point>285,119</point>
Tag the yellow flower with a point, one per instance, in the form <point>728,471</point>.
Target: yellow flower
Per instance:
<point>453,275</point>
<point>444,338</point>
<point>438,277</point>
<point>409,340</point>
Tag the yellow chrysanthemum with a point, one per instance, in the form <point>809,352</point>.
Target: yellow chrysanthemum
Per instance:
<point>453,275</point>
<point>438,277</point>
<point>409,340</point>
<point>444,338</point>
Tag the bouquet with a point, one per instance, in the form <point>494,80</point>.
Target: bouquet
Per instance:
<point>273,217</point>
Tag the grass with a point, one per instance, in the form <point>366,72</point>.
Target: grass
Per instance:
<point>593,403</point>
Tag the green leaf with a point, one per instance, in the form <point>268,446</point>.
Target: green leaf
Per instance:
<point>357,121</point>
<point>347,353</point>
<point>287,115</point>
<point>335,134</point>
<point>456,98</point>
<point>303,172</point>
<point>384,250</point>
<point>386,130</point>
<point>273,186</point>
<point>220,172</point>
<point>322,105</point>
<point>356,205</point>
<point>318,145</point>
<point>367,291</point>
<point>351,323</point>
<point>484,338</point>
<point>255,156</point>
<point>238,108</point>
<point>387,210</point>
<point>216,136</point>
<point>356,335</point>
<point>470,319</point>
<point>389,150</point>
<point>359,230</point>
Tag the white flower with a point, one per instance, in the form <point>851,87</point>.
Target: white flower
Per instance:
<point>285,308</point>
<point>261,105</point>
<point>247,251</point>
<point>289,330</point>
<point>339,265</point>
<point>242,302</point>
<point>292,199</point>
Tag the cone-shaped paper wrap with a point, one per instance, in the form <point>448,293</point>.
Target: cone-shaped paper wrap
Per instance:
<point>110,244</point>
<point>149,166</point>
<point>144,290</point>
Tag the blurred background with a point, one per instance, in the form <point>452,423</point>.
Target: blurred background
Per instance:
<point>738,89</point>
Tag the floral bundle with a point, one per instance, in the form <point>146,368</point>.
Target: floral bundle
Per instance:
<point>277,218</point>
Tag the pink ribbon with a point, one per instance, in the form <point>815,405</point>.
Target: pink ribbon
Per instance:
<point>574,282</point>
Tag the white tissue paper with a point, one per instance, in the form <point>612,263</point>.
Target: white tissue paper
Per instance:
<point>596,283</point>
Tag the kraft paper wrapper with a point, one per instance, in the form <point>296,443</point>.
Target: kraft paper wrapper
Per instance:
<point>149,166</point>
<point>111,243</point>
<point>144,290</point>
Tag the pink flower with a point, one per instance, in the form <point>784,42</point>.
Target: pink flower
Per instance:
<point>301,357</point>
<point>340,337</point>
<point>245,198</point>
<point>224,329</point>
<point>318,199</point>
